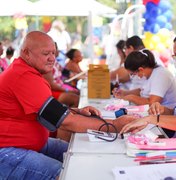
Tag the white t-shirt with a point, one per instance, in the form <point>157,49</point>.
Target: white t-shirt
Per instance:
<point>112,57</point>
<point>136,82</point>
<point>61,38</point>
<point>161,83</point>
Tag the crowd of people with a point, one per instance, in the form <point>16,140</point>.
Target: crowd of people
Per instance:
<point>35,101</point>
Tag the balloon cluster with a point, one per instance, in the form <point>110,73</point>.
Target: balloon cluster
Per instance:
<point>20,21</point>
<point>157,27</point>
<point>157,16</point>
<point>46,23</point>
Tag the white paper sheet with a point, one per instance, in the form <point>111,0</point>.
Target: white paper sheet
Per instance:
<point>146,172</point>
<point>108,114</point>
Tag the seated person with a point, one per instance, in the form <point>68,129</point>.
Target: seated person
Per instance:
<point>28,112</point>
<point>120,76</point>
<point>121,51</point>
<point>63,95</point>
<point>57,75</point>
<point>9,54</point>
<point>3,63</point>
<point>75,57</point>
<point>72,65</point>
<point>159,115</point>
<point>159,84</point>
<point>133,43</point>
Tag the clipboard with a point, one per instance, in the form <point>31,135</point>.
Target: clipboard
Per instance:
<point>75,77</point>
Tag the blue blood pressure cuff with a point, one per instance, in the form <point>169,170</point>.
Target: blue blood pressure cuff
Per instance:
<point>52,114</point>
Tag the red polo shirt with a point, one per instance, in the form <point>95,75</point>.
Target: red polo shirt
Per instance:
<point>23,91</point>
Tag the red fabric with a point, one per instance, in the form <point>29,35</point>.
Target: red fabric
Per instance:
<point>53,134</point>
<point>56,94</point>
<point>153,1</point>
<point>23,92</point>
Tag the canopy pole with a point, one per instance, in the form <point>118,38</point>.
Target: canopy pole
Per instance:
<point>37,22</point>
<point>90,34</point>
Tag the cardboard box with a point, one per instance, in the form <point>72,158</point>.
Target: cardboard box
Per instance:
<point>98,81</point>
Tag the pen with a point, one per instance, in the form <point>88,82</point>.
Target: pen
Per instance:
<point>157,162</point>
<point>156,158</point>
<point>121,136</point>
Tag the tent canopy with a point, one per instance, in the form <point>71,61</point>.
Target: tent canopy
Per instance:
<point>54,8</point>
<point>69,8</point>
<point>13,7</point>
<point>57,8</point>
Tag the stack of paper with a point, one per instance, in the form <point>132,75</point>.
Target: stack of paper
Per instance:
<point>161,150</point>
<point>152,172</point>
<point>140,111</point>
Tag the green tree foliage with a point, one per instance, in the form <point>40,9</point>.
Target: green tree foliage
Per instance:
<point>173,3</point>
<point>6,28</point>
<point>73,24</point>
<point>110,3</point>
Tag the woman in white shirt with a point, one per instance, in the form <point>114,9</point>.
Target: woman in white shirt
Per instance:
<point>159,86</point>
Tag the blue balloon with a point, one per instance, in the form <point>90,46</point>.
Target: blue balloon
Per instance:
<point>161,21</point>
<point>155,12</point>
<point>146,15</point>
<point>154,28</point>
<point>168,26</point>
<point>164,5</point>
<point>152,10</point>
<point>97,31</point>
<point>150,21</point>
<point>146,27</point>
<point>168,15</point>
<point>150,5</point>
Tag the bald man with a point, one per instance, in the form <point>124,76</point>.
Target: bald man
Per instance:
<point>28,112</point>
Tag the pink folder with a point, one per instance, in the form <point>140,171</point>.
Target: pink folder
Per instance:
<point>163,144</point>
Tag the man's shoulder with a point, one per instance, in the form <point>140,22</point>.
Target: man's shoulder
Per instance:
<point>21,63</point>
<point>20,67</point>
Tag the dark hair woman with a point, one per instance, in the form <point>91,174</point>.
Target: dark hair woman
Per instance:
<point>121,50</point>
<point>159,83</point>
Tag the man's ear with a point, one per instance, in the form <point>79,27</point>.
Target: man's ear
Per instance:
<point>25,53</point>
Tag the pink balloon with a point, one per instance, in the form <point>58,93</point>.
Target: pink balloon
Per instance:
<point>165,55</point>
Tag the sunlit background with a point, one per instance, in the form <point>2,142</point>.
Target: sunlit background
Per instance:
<point>91,22</point>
